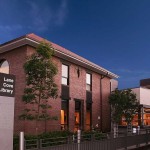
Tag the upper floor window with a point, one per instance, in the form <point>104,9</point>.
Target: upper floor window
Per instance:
<point>4,66</point>
<point>88,82</point>
<point>65,74</point>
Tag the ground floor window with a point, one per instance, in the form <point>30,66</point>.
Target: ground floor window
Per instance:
<point>146,119</point>
<point>64,114</point>
<point>135,121</point>
<point>78,115</point>
<point>140,119</point>
<point>146,116</point>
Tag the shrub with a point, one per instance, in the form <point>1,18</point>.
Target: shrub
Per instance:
<point>48,139</point>
<point>16,142</point>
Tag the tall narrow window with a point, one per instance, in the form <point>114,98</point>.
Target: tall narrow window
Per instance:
<point>64,114</point>
<point>77,115</point>
<point>88,115</point>
<point>4,66</point>
<point>88,82</point>
<point>65,74</point>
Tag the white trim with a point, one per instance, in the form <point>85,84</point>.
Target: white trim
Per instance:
<point>99,68</point>
<point>32,40</point>
<point>12,43</point>
<point>82,61</point>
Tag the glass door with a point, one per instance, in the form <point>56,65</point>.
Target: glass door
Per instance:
<point>78,115</point>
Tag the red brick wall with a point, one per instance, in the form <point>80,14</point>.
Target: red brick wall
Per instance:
<point>105,105</point>
<point>96,99</point>
<point>55,103</point>
<point>77,90</point>
<point>17,58</point>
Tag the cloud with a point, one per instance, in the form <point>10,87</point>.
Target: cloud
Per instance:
<point>45,16</point>
<point>22,17</point>
<point>40,19</point>
<point>61,14</point>
<point>8,32</point>
<point>31,16</point>
<point>9,28</point>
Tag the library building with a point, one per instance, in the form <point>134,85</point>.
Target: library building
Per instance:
<point>83,88</point>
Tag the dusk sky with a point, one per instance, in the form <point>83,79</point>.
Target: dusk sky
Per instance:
<point>114,34</point>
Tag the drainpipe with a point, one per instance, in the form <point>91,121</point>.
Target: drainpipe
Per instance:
<point>101,99</point>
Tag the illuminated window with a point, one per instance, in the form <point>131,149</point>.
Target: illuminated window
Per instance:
<point>4,67</point>
<point>64,114</point>
<point>65,74</point>
<point>134,121</point>
<point>77,115</point>
<point>88,82</point>
<point>146,116</point>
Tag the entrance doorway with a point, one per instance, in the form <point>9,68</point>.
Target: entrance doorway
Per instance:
<point>78,115</point>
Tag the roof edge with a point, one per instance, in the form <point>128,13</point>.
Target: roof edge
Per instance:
<point>34,40</point>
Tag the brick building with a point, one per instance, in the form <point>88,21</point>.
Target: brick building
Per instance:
<point>83,86</point>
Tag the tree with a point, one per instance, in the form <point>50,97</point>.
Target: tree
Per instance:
<point>124,103</point>
<point>40,85</point>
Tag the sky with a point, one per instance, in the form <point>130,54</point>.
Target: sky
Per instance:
<point>115,34</point>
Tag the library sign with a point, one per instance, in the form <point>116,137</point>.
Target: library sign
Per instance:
<point>7,101</point>
<point>7,85</point>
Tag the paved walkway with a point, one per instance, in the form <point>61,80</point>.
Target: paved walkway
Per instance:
<point>143,148</point>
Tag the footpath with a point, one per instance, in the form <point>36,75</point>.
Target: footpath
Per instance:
<point>143,148</point>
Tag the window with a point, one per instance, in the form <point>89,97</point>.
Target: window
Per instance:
<point>4,66</point>
<point>88,115</point>
<point>134,121</point>
<point>64,114</point>
<point>78,115</point>
<point>88,82</point>
<point>65,74</point>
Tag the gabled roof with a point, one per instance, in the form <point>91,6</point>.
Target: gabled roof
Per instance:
<point>34,40</point>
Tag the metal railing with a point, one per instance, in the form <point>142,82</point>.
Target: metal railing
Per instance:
<point>91,141</point>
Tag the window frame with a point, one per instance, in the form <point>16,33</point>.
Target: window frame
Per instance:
<point>65,126</point>
<point>65,77</point>
<point>89,110</point>
<point>88,85</point>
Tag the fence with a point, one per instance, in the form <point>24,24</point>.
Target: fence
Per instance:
<point>95,141</point>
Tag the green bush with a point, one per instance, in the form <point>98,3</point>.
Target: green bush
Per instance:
<point>100,136</point>
<point>56,138</point>
<point>54,134</point>
<point>92,135</point>
<point>16,142</point>
<point>48,139</point>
